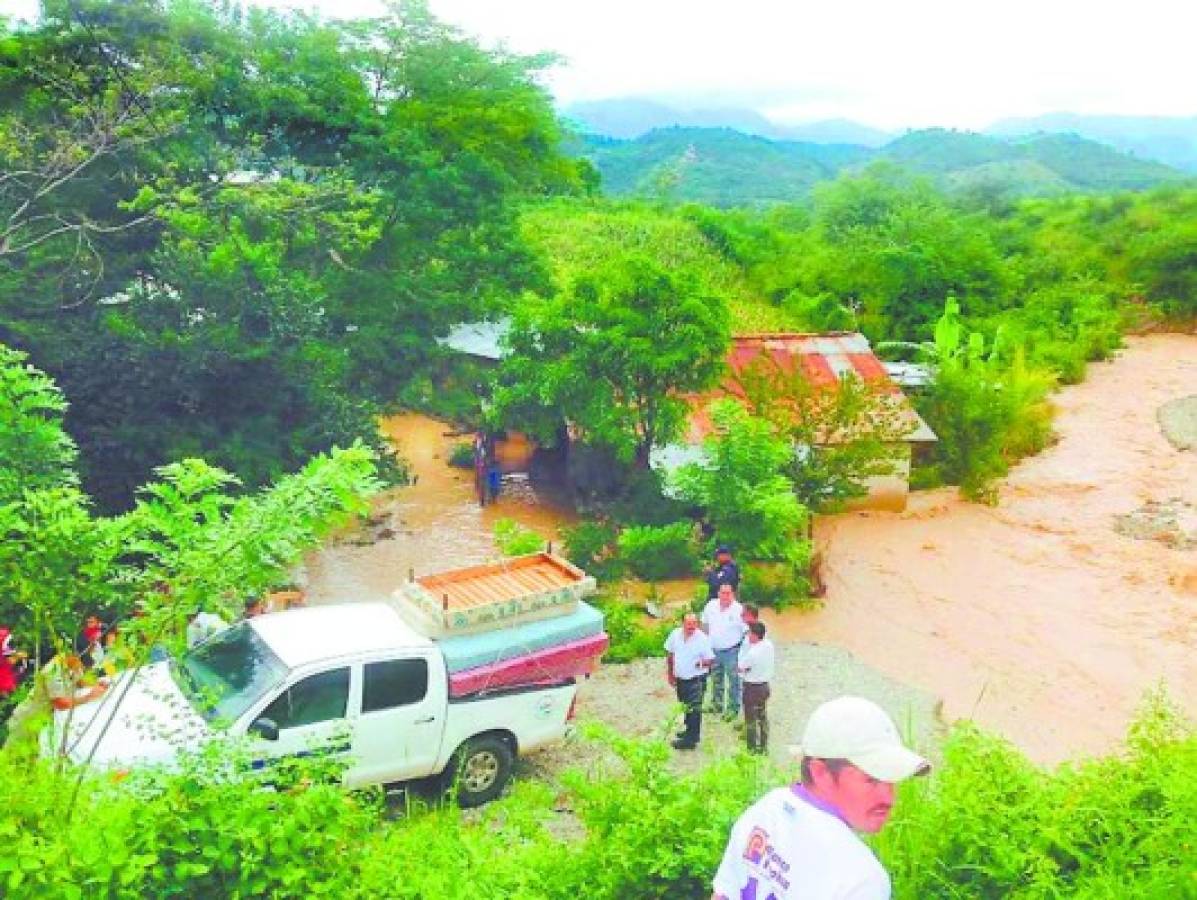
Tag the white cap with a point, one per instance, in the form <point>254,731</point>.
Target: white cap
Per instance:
<point>861,732</point>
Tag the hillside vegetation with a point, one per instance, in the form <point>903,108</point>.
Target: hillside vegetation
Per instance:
<point>724,167</point>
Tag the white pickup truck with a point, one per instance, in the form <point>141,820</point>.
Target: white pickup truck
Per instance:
<point>351,680</point>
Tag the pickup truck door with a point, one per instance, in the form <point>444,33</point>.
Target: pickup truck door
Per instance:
<point>400,719</point>
<point>311,715</point>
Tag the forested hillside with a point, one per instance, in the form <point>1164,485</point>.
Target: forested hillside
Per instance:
<point>236,233</point>
<point>728,168</point>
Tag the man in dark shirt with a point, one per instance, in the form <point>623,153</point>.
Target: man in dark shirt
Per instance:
<point>725,571</point>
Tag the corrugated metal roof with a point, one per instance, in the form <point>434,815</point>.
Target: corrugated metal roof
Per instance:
<point>481,339</point>
<point>822,359</point>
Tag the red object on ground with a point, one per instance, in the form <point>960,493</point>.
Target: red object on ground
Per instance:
<point>571,660</point>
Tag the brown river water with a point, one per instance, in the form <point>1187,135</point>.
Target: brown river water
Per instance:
<point>430,526</point>
<point>1036,617</point>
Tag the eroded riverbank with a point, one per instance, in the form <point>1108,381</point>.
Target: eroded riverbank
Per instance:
<point>1037,618</point>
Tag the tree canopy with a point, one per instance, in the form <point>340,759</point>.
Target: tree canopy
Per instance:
<point>238,231</point>
<point>613,354</point>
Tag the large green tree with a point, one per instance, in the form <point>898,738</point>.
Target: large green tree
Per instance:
<point>612,355</point>
<point>235,231</point>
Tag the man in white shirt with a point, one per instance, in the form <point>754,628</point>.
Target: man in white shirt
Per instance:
<point>798,841</point>
<point>757,659</point>
<point>688,656</point>
<point>723,621</point>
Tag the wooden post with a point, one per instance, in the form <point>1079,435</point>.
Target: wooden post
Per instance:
<point>445,602</point>
<point>411,573</point>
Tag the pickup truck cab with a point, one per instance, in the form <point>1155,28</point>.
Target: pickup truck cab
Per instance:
<point>353,681</point>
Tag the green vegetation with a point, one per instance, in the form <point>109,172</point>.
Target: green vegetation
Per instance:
<point>741,487</point>
<point>186,544</point>
<point>612,354</point>
<point>631,636</point>
<point>236,234</point>
<point>657,552</point>
<point>726,168</point>
<point>462,455</point>
<point>575,238</point>
<point>986,823</point>
<point>516,540</point>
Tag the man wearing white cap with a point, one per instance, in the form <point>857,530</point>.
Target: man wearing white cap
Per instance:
<point>798,842</point>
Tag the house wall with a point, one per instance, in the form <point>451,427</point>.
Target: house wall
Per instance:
<point>888,492</point>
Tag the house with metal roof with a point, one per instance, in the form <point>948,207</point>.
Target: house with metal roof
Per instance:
<point>821,360</point>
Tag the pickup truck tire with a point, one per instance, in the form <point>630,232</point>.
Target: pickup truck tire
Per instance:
<point>480,770</point>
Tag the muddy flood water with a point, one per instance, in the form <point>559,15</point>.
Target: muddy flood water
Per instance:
<point>432,525</point>
<point>1044,618</point>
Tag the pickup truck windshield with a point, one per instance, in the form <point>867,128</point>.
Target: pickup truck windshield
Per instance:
<point>223,676</point>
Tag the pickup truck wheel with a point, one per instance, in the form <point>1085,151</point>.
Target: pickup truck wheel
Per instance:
<point>482,770</point>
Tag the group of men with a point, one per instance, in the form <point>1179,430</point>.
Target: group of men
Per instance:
<point>799,840</point>
<point>729,643</point>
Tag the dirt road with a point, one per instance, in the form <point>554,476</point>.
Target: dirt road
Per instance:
<point>1037,618</point>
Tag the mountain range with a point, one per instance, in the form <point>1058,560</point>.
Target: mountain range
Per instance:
<point>1169,140</point>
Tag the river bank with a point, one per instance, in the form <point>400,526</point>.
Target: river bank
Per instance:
<point>1038,618</point>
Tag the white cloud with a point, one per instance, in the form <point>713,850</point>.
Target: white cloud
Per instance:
<point>891,63</point>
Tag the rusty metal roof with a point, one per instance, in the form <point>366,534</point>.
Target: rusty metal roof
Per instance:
<point>821,359</point>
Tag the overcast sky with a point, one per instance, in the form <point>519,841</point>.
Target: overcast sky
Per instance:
<point>888,63</point>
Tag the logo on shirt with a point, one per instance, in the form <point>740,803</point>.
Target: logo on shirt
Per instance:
<point>758,846</point>
<point>765,861</point>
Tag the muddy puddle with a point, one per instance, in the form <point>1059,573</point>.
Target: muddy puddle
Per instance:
<point>429,526</point>
<point>1040,618</point>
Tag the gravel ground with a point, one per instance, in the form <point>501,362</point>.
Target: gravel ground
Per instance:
<point>635,700</point>
<point>1178,419</point>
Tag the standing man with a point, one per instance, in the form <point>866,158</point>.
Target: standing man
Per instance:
<point>725,571</point>
<point>757,659</point>
<point>688,656</point>
<point>798,841</point>
<point>723,621</point>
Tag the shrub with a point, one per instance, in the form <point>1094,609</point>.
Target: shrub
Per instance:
<point>631,637</point>
<point>516,540</point>
<point>988,407</point>
<point>462,455</point>
<point>644,502</point>
<point>654,553</point>
<point>742,490</point>
<point>592,545</point>
<point>777,585</point>
<point>986,823</point>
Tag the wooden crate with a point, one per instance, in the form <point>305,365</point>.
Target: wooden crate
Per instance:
<point>482,598</point>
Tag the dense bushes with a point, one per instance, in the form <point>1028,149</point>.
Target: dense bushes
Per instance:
<point>631,637</point>
<point>986,823</point>
<point>514,539</point>
<point>989,824</point>
<point>658,552</point>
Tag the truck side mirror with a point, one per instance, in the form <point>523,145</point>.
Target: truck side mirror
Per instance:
<point>267,729</point>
